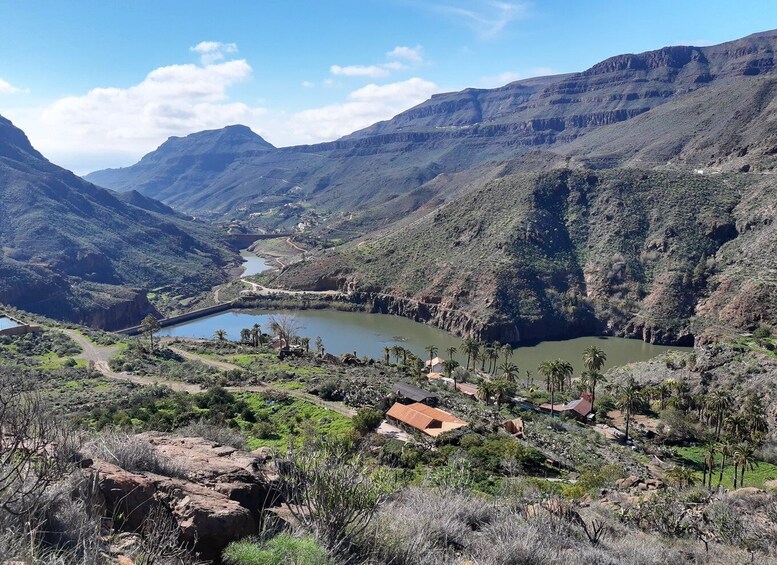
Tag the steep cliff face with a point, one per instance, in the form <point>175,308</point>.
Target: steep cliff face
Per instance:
<point>566,253</point>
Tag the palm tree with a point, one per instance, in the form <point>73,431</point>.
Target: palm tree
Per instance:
<point>709,464</point>
<point>220,334</point>
<point>745,458</point>
<point>593,360</point>
<point>545,369</point>
<point>529,380</point>
<point>448,366</point>
<point>509,371</point>
<point>451,352</point>
<point>726,450</point>
<point>471,348</point>
<point>507,351</point>
<point>664,391</point>
<point>245,335</point>
<point>397,351</point>
<point>485,391</point>
<point>150,326</point>
<point>256,335</point>
<point>555,372</point>
<point>681,476</point>
<point>306,344</point>
<point>627,397</point>
<point>386,353</point>
<point>493,355</point>
<point>501,388</point>
<point>432,351</point>
<point>719,402</point>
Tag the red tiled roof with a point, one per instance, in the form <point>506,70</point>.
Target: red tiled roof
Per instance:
<point>431,421</point>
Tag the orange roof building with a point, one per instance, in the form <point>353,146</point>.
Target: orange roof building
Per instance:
<point>430,421</point>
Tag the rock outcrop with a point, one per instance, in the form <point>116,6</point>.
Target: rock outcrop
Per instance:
<point>216,497</point>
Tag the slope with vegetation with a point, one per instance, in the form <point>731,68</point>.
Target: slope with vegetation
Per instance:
<point>71,250</point>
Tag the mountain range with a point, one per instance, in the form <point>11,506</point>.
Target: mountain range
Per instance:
<point>79,252</point>
<point>632,198</point>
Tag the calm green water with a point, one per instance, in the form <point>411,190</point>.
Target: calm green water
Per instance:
<point>254,265</point>
<point>368,334</point>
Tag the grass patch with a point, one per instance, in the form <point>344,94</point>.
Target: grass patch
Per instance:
<point>694,457</point>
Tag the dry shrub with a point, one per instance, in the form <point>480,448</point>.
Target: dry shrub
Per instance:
<point>133,454</point>
<point>212,432</point>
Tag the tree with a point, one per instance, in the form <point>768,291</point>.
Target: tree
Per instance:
<point>509,371</point>
<point>507,352</point>
<point>451,352</point>
<point>500,390</point>
<point>471,348</point>
<point>726,450</point>
<point>448,366</point>
<point>245,335</point>
<point>719,402</point>
<point>593,360</point>
<point>485,391</point>
<point>220,334</point>
<point>432,351</point>
<point>386,353</point>
<point>709,464</point>
<point>149,326</point>
<point>319,345</point>
<point>681,476</point>
<point>555,372</point>
<point>744,458</point>
<point>493,356</point>
<point>256,335</point>
<point>397,350</point>
<point>626,399</point>
<point>306,344</point>
<point>285,327</point>
<point>367,420</point>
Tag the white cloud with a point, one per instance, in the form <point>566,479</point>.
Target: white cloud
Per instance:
<point>365,106</point>
<point>172,100</point>
<point>213,51</point>
<point>8,88</point>
<point>412,54</point>
<point>488,17</point>
<point>372,71</point>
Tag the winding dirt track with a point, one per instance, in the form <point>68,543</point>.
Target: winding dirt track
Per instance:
<point>100,355</point>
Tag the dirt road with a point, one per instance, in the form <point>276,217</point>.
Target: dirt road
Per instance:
<point>100,355</point>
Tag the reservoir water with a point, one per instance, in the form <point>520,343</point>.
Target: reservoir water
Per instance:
<point>368,334</point>
<point>254,265</point>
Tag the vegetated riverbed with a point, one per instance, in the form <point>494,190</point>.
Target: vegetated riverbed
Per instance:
<point>368,334</point>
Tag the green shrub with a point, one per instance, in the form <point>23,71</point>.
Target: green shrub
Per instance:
<point>284,549</point>
<point>367,420</point>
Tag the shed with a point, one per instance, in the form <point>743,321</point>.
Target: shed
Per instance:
<point>410,393</point>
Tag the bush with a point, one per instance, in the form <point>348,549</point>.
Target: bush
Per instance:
<point>218,434</point>
<point>132,454</point>
<point>284,549</point>
<point>367,420</point>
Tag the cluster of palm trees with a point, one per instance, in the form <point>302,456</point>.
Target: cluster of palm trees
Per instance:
<point>485,353</point>
<point>249,336</point>
<point>742,455</point>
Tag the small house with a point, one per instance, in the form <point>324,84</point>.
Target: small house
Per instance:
<point>422,418</point>
<point>468,389</point>
<point>581,408</point>
<point>435,365</point>
<point>407,393</point>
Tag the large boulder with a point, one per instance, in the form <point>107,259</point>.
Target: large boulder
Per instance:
<point>216,496</point>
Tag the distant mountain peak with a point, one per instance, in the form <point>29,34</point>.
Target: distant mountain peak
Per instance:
<point>14,144</point>
<point>217,140</point>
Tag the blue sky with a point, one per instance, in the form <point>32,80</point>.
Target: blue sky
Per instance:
<point>100,83</point>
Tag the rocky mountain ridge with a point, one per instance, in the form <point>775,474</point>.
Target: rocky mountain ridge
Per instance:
<point>74,251</point>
